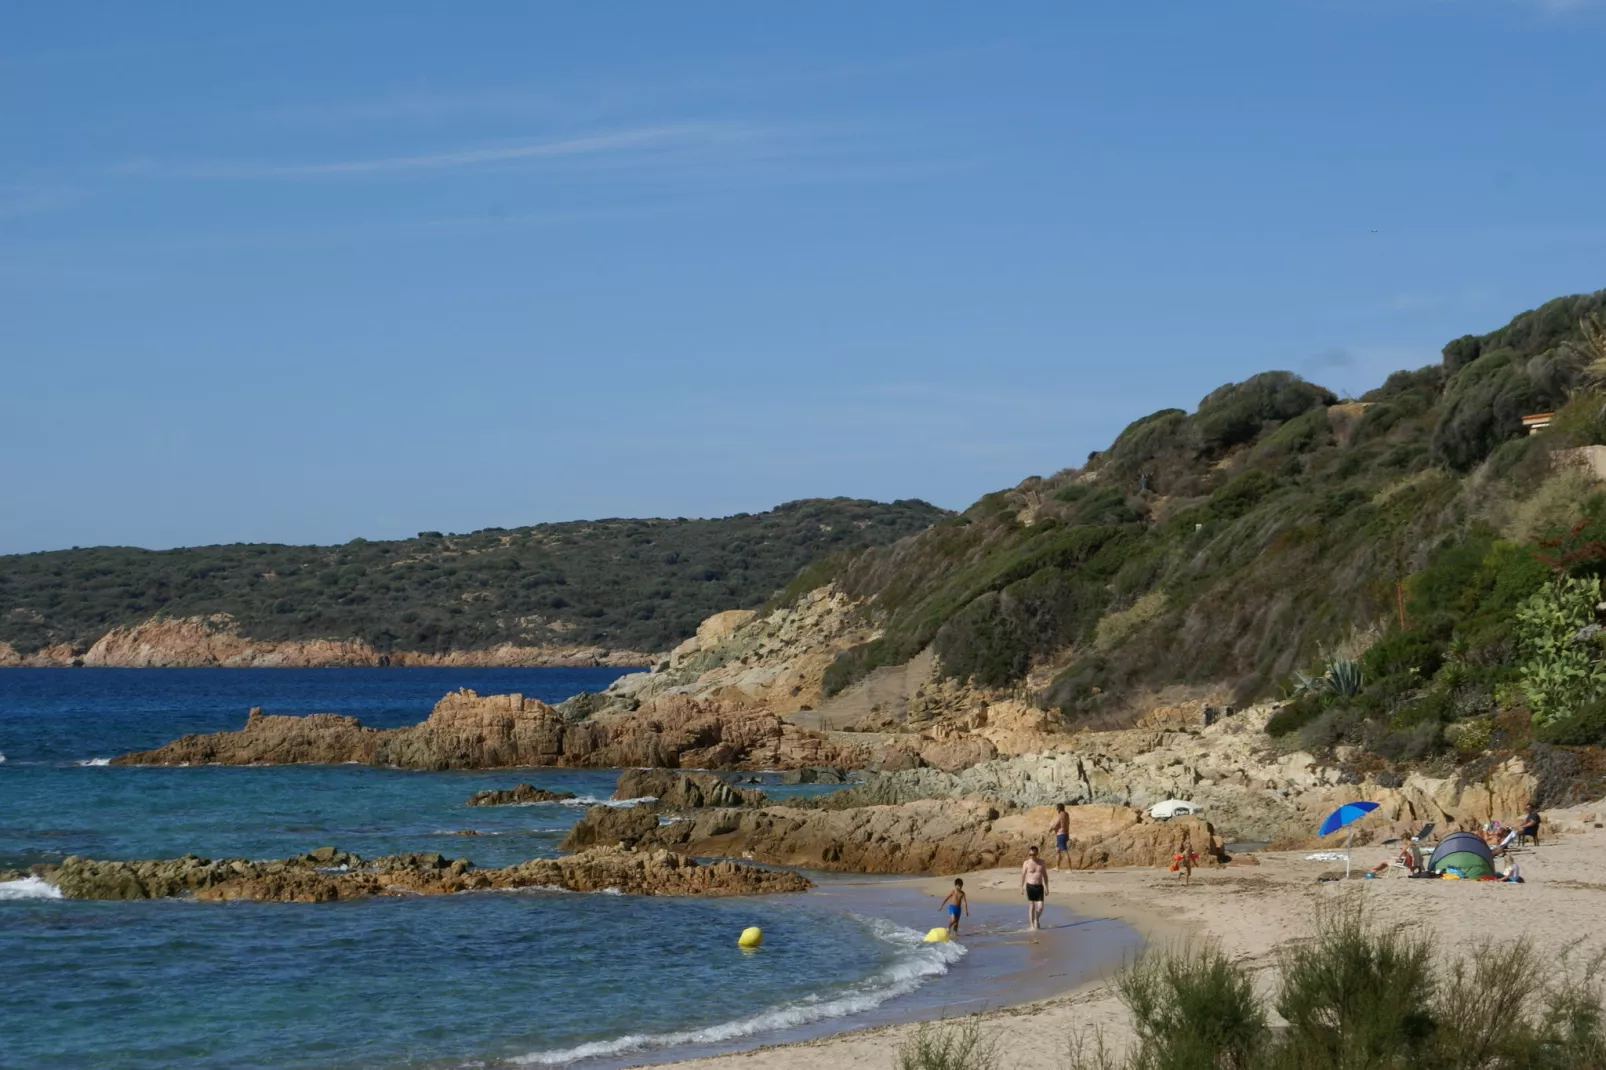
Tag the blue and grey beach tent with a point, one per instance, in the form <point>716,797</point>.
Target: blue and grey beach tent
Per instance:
<point>1464,852</point>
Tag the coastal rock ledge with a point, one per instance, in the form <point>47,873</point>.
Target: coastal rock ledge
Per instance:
<point>328,874</point>
<point>466,730</point>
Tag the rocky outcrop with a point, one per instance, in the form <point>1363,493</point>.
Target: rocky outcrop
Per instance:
<point>1247,789</point>
<point>931,836</point>
<point>470,731</point>
<point>517,795</point>
<point>214,641</point>
<point>683,791</point>
<point>328,874</point>
<point>609,826</point>
<point>774,662</point>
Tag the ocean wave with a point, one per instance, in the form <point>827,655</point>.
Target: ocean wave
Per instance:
<point>920,963</point>
<point>93,761</point>
<point>592,800</point>
<point>29,888</point>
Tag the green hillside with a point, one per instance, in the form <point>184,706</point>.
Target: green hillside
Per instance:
<point>623,584</point>
<point>1266,532</point>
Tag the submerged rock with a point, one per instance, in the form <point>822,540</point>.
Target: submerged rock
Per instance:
<point>519,793</point>
<point>328,874</point>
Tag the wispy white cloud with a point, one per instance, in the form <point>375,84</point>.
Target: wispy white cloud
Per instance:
<point>428,106</point>
<point>639,139</point>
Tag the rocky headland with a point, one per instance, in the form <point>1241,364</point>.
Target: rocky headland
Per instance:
<point>470,731</point>
<point>329,874</point>
<point>214,641</point>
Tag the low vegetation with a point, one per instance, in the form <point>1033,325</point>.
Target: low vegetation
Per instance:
<point>1412,567</point>
<point>623,584</point>
<point>1359,996</point>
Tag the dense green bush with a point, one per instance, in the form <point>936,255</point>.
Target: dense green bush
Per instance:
<point>1561,670</point>
<point>1585,727</point>
<point>1236,413</point>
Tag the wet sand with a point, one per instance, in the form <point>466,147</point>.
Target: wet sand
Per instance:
<point>1004,966</point>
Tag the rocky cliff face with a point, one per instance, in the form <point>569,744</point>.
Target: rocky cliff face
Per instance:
<point>328,874</point>
<point>215,642</point>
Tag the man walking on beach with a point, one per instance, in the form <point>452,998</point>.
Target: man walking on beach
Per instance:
<point>1034,882</point>
<point>1061,828</point>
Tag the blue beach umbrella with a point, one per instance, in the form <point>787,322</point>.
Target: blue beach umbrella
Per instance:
<point>1345,815</point>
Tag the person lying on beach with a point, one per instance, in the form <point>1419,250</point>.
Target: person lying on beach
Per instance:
<point>1034,883</point>
<point>1061,828</point>
<point>956,901</point>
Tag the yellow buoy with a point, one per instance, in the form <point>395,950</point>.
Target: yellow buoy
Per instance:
<point>937,936</point>
<point>750,938</point>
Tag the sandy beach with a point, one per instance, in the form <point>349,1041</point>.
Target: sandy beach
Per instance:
<point>1251,908</point>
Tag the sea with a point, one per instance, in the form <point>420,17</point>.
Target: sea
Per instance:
<point>481,979</point>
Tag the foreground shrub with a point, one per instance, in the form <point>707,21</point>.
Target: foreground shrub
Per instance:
<point>1359,996</point>
<point>1193,1007</point>
<point>1356,995</point>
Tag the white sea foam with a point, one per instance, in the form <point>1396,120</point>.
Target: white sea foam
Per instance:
<point>29,888</point>
<point>2,759</point>
<point>918,963</point>
<point>592,800</point>
<point>94,761</point>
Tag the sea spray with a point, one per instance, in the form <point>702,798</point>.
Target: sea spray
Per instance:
<point>916,964</point>
<point>29,888</point>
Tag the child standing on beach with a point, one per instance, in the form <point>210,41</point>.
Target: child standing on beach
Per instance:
<point>956,901</point>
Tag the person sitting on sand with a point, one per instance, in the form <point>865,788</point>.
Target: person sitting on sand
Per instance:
<point>1061,828</point>
<point>1034,882</point>
<point>956,901</point>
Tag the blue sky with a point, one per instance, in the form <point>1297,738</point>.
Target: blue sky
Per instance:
<point>304,272</point>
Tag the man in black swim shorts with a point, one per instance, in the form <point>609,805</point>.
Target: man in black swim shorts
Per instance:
<point>1034,882</point>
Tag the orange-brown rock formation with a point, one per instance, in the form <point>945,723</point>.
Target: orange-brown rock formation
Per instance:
<point>328,874</point>
<point>925,837</point>
<point>469,731</point>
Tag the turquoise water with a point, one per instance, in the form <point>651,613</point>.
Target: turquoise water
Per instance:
<point>483,979</point>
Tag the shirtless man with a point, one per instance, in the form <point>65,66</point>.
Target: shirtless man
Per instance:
<point>1061,828</point>
<point>1034,882</point>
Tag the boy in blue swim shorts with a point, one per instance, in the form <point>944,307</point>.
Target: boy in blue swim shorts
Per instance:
<point>955,901</point>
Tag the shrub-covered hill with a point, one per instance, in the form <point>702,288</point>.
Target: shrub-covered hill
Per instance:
<point>1272,529</point>
<point>622,584</point>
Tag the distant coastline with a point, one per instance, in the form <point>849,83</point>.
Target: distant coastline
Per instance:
<point>213,642</point>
